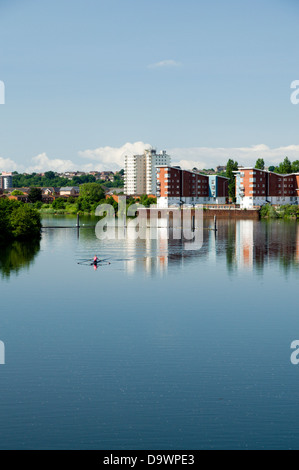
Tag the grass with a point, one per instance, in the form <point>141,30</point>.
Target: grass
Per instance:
<point>48,209</point>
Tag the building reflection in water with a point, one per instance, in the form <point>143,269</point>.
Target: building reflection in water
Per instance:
<point>239,245</point>
<point>149,255</point>
<point>261,243</point>
<point>243,245</point>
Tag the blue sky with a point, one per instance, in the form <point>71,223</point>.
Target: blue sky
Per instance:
<point>205,80</point>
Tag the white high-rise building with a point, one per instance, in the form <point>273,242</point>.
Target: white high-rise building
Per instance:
<point>141,172</point>
<point>135,175</point>
<point>154,159</point>
<point>5,180</point>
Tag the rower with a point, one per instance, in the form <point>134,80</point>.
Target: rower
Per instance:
<point>95,260</point>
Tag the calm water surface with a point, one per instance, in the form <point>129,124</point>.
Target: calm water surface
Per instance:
<point>163,349</point>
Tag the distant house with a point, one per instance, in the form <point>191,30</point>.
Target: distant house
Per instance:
<point>69,191</point>
<point>110,192</point>
<point>220,169</point>
<point>106,175</point>
<point>50,191</point>
<point>23,198</point>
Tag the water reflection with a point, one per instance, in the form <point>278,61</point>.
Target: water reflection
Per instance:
<point>245,245</point>
<point>261,243</point>
<point>17,256</point>
<point>239,244</point>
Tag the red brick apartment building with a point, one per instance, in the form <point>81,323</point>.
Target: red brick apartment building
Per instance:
<point>258,187</point>
<point>176,186</point>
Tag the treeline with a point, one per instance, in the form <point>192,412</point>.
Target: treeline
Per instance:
<point>18,221</point>
<point>287,211</point>
<point>284,168</point>
<point>91,195</point>
<point>52,180</point>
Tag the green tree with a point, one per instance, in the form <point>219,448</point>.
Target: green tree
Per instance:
<point>50,175</point>
<point>285,167</point>
<point>35,194</point>
<point>295,166</point>
<point>59,203</point>
<point>16,192</point>
<point>5,230</point>
<point>260,164</point>
<point>272,168</point>
<point>84,204</point>
<point>92,191</point>
<point>38,205</point>
<point>147,201</point>
<point>25,222</point>
<point>230,168</point>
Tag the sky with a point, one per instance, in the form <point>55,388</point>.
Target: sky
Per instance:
<point>87,82</point>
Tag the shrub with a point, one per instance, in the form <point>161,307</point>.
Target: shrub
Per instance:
<point>58,204</point>
<point>25,222</point>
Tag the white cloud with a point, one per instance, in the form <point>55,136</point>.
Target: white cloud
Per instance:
<point>108,158</point>
<point>42,163</point>
<point>8,165</point>
<point>112,158</point>
<point>207,157</point>
<point>165,63</point>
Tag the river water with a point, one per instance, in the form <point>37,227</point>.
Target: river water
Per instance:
<point>164,348</point>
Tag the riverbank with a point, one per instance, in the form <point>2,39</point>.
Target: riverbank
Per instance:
<point>280,212</point>
<point>70,209</point>
<point>223,212</point>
